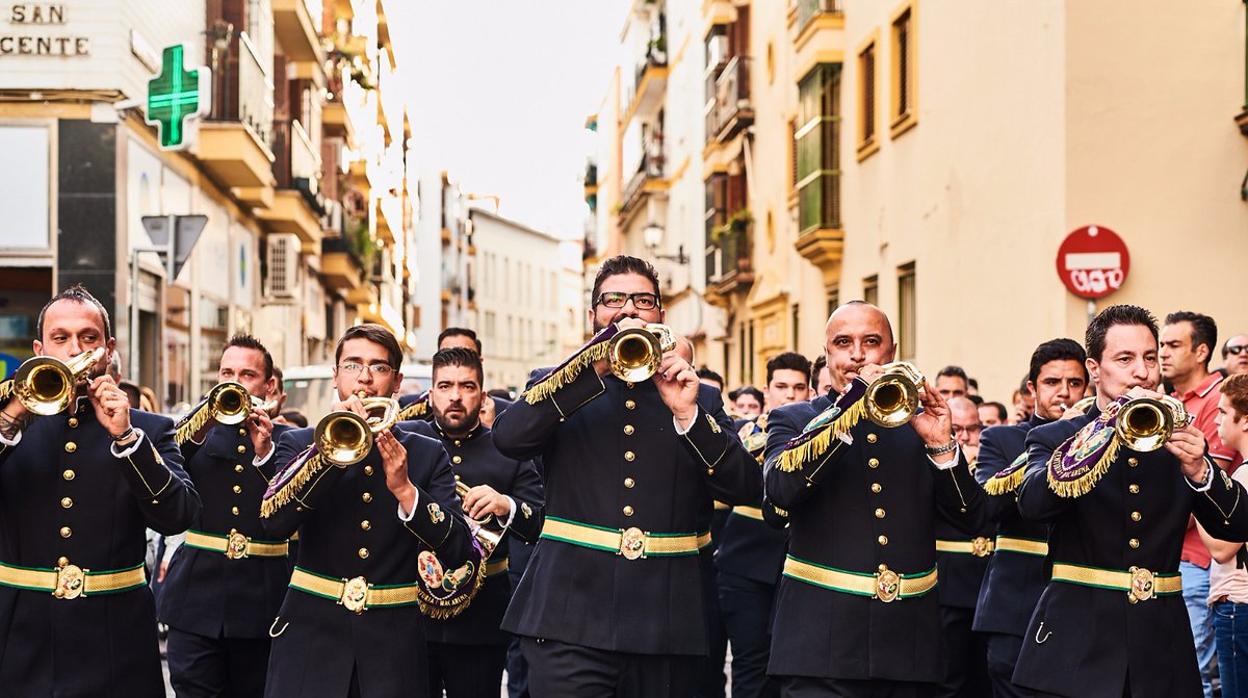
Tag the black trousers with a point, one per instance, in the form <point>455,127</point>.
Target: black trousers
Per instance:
<point>746,605</point>
<point>808,687</point>
<point>563,670</point>
<point>1002,656</point>
<point>712,679</point>
<point>208,667</point>
<point>519,553</point>
<point>965,673</point>
<point>466,671</point>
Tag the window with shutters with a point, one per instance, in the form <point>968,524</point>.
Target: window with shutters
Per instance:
<point>818,166</point>
<point>867,142</point>
<point>907,329</point>
<point>903,114</point>
<point>871,289</point>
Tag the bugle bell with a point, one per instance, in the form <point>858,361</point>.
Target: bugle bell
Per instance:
<point>635,353</point>
<point>231,403</point>
<point>45,385</point>
<point>489,538</point>
<point>892,399</point>
<point>1146,423</point>
<point>344,438</point>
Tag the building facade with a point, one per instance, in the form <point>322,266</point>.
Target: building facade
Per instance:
<point>931,159</point>
<point>299,167</point>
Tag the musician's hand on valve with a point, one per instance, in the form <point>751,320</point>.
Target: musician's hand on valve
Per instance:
<point>678,387</point>
<point>1188,445</point>
<point>112,405</point>
<point>353,403</point>
<point>260,429</point>
<point>869,372</point>
<point>394,462</point>
<point>934,424</point>
<point>483,500</point>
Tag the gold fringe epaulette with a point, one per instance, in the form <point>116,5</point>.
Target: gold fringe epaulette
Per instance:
<point>6,391</point>
<point>1083,484</point>
<point>191,424</point>
<point>416,410</point>
<point>310,463</point>
<point>443,608</point>
<point>566,373</point>
<point>795,458</point>
<point>1008,479</point>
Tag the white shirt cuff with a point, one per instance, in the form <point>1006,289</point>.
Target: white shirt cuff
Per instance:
<point>407,516</point>
<point>129,449</point>
<point>957,457</point>
<point>17,439</point>
<point>512,515</point>
<point>697,411</point>
<point>172,543</point>
<point>258,461</point>
<point>1208,478</point>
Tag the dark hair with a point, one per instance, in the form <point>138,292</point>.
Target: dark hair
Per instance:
<point>377,335</point>
<point>1204,329</point>
<point>459,332</point>
<point>277,373</point>
<point>972,383</point>
<point>748,390</point>
<point>296,417</point>
<point>459,356</point>
<point>955,371</point>
<point>246,341</point>
<point>1002,413</point>
<point>1061,349</point>
<point>816,368</point>
<point>1122,314</point>
<point>977,399</point>
<point>1022,385</point>
<point>789,360</point>
<point>624,264</point>
<point>708,374</point>
<point>1235,388</point>
<point>78,294</point>
<point>501,393</point>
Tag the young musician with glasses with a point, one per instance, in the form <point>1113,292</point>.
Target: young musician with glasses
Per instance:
<point>613,600</point>
<point>375,537</point>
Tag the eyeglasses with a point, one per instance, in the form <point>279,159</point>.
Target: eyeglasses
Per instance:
<point>1236,349</point>
<point>351,368</point>
<point>617,299</point>
<point>969,431</point>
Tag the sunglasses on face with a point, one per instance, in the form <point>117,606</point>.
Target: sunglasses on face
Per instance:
<point>1236,349</point>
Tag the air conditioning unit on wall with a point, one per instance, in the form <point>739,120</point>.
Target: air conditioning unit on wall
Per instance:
<point>282,261</point>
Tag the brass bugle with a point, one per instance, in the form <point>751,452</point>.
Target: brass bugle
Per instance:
<point>1082,404</point>
<point>231,403</point>
<point>462,490</point>
<point>1146,423</point>
<point>892,399</point>
<point>45,385</point>
<point>344,438</point>
<point>488,538</point>
<point>635,353</point>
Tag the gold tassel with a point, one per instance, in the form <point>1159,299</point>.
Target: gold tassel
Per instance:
<point>313,464</point>
<point>415,410</point>
<point>1083,484</point>
<point>6,390</point>
<point>998,486</point>
<point>794,459</point>
<point>192,423</point>
<point>567,373</point>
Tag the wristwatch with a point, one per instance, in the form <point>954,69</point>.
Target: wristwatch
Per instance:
<point>943,449</point>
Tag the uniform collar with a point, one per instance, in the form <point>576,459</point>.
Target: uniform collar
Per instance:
<point>472,433</point>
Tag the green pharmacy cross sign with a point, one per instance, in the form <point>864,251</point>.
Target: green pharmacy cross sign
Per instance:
<point>177,98</point>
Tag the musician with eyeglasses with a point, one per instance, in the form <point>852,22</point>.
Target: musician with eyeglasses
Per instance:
<point>224,584</point>
<point>81,480</point>
<point>1118,485</point>
<point>612,601</point>
<point>1058,379</point>
<point>382,538</point>
<point>862,481</point>
<point>467,652</point>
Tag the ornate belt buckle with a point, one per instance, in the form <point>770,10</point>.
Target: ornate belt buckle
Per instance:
<point>981,547</point>
<point>235,545</point>
<point>632,543</point>
<point>71,581</point>
<point>887,585</point>
<point>1142,585</point>
<point>354,594</point>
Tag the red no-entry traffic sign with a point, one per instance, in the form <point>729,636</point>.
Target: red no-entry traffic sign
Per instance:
<point>1093,262</point>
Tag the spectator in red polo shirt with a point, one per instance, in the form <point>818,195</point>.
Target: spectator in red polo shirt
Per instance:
<point>1187,343</point>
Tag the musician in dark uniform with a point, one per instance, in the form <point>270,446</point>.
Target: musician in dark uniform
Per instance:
<point>467,652</point>
<point>961,561</point>
<point>78,490</point>
<point>381,541</point>
<point>1058,379</point>
<point>751,551</point>
<point>1112,621</point>
<point>612,603</point>
<point>225,582</point>
<point>855,615</point>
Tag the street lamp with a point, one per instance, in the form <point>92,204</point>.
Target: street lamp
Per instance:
<point>652,236</point>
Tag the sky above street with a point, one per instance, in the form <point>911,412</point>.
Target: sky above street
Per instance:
<point>499,91</point>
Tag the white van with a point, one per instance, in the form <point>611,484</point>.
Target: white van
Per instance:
<point>310,389</point>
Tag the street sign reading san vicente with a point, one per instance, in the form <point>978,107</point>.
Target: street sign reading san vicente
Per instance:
<point>178,98</point>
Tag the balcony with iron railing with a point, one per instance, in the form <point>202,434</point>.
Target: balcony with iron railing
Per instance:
<point>731,112</point>
<point>728,255</point>
<point>591,183</point>
<point>807,10</point>
<point>297,204</point>
<point>645,92</point>
<point>234,142</point>
<point>650,177</point>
